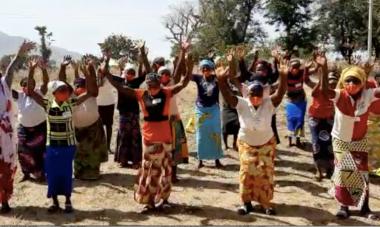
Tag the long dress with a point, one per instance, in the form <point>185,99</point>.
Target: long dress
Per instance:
<point>257,146</point>
<point>7,149</point>
<point>207,119</point>
<point>129,144</point>
<point>154,177</point>
<point>91,141</point>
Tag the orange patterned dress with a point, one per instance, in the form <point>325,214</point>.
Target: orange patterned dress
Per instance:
<point>257,172</point>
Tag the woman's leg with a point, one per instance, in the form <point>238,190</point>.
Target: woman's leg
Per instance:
<point>55,206</point>
<point>68,205</point>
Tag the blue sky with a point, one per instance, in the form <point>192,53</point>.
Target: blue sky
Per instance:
<point>78,25</point>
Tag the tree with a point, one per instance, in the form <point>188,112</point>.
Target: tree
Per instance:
<point>46,39</point>
<point>293,16</point>
<point>120,46</point>
<point>182,22</point>
<point>344,23</point>
<point>227,23</point>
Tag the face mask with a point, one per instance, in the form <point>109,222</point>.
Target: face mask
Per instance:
<point>294,71</point>
<point>25,90</point>
<point>80,90</point>
<point>154,91</point>
<point>62,96</point>
<point>256,101</point>
<point>165,79</point>
<point>352,89</point>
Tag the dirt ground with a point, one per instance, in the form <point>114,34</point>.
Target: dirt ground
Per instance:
<point>202,197</point>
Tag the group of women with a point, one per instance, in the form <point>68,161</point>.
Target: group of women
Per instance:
<point>61,124</point>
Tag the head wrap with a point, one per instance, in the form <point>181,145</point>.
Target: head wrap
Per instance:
<point>352,71</point>
<point>295,62</point>
<point>128,68</point>
<point>80,82</point>
<point>163,70</point>
<point>207,63</point>
<point>152,79</point>
<point>333,76</point>
<point>255,87</point>
<point>159,61</point>
<point>55,84</point>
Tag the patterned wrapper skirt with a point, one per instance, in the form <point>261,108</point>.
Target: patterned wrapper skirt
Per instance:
<point>31,149</point>
<point>257,172</point>
<point>295,116</point>
<point>351,172</point>
<point>59,170</point>
<point>7,175</point>
<point>322,142</point>
<point>91,151</point>
<point>154,177</point>
<point>180,149</point>
<point>128,145</point>
<point>208,133</point>
<point>374,145</point>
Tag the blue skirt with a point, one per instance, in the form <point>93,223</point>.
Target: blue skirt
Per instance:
<point>295,115</point>
<point>208,132</point>
<point>59,170</point>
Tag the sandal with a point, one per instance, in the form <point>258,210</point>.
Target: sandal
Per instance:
<point>369,215</point>
<point>343,213</point>
<point>53,209</point>
<point>147,209</point>
<point>68,208</point>
<point>245,209</point>
<point>270,211</point>
<point>5,209</point>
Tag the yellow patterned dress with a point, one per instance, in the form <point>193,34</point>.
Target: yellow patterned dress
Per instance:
<point>374,145</point>
<point>257,172</point>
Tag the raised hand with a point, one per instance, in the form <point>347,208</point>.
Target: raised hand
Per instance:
<point>284,66</point>
<point>33,63</point>
<point>241,52</point>
<point>308,64</point>
<point>66,60</point>
<point>25,47</point>
<point>42,64</point>
<point>222,72</point>
<point>321,59</point>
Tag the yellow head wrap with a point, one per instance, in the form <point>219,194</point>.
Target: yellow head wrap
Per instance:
<point>353,71</point>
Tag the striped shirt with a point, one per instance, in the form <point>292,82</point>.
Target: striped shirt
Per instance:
<point>60,127</point>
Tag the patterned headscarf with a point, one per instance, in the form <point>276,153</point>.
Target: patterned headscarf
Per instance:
<point>352,71</point>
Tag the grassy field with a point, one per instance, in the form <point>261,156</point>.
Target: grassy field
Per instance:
<point>202,197</point>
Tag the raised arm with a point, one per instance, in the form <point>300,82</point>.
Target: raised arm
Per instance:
<point>45,76</point>
<point>144,57</point>
<point>24,49</point>
<point>306,75</point>
<point>62,71</point>
<point>35,96</point>
<point>91,86</point>
<point>122,89</point>
<point>322,62</point>
<point>186,78</point>
<point>75,66</point>
<point>252,68</point>
<point>229,97</point>
<point>283,85</point>
<point>178,69</point>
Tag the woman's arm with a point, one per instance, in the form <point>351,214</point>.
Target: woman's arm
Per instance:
<point>45,77</point>
<point>35,96</point>
<point>62,71</point>
<point>308,81</point>
<point>185,79</point>
<point>144,58</point>
<point>179,64</point>
<point>122,89</point>
<point>283,85</point>
<point>9,72</point>
<point>75,66</point>
<point>322,62</point>
<point>231,99</point>
<point>91,86</point>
